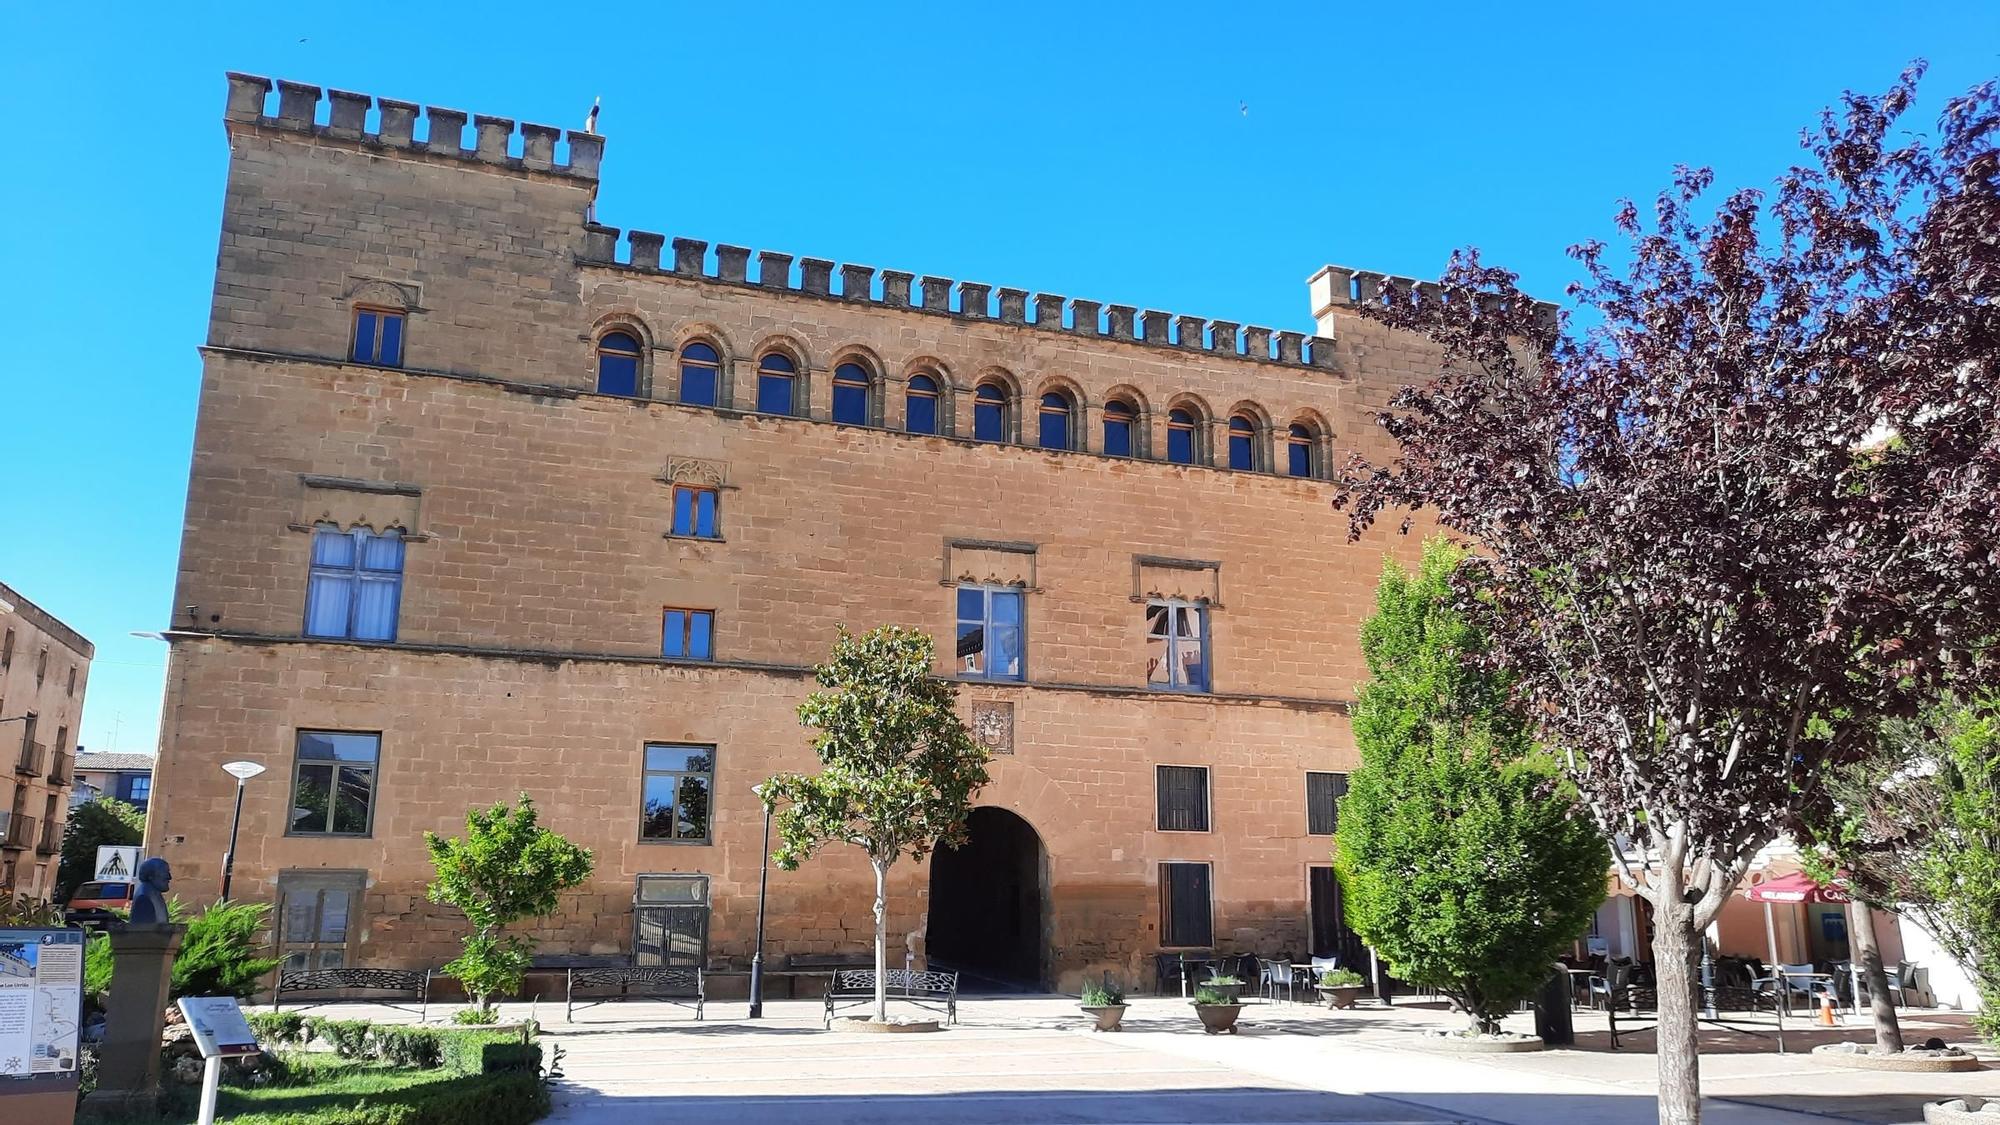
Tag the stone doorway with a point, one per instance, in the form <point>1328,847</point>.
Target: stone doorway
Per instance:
<point>988,905</point>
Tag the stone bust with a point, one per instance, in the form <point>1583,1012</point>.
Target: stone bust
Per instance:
<point>149,903</point>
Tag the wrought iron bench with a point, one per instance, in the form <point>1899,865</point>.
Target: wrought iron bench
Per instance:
<point>682,986</point>
<point>415,984</point>
<point>936,991</point>
<point>1637,1000</point>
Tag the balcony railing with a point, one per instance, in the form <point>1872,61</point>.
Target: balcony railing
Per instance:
<point>19,831</point>
<point>50,841</point>
<point>60,764</point>
<point>29,764</point>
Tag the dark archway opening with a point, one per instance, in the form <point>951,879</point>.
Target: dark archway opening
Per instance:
<point>986,905</point>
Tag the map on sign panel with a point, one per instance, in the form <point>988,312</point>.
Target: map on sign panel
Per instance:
<point>41,994</point>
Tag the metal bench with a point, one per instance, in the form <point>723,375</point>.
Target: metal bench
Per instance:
<point>1636,1000</point>
<point>682,986</point>
<point>936,991</point>
<point>412,983</point>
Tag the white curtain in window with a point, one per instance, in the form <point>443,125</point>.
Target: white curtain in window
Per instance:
<point>327,599</point>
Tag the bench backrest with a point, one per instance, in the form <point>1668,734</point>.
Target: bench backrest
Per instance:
<point>658,976</point>
<point>371,980</point>
<point>897,980</point>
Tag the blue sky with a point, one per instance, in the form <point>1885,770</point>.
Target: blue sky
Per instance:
<point>1198,158</point>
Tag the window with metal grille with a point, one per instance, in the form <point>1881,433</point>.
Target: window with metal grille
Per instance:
<point>1323,794</point>
<point>670,920</point>
<point>1182,792</point>
<point>1186,921</point>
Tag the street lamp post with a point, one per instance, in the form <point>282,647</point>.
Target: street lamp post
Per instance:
<point>242,772</point>
<point>763,886</point>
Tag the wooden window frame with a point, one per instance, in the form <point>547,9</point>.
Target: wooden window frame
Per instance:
<point>317,881</point>
<point>599,349</point>
<point>687,633</point>
<point>1166,903</point>
<point>866,384</point>
<point>935,394</point>
<point>713,368</point>
<point>375,345</point>
<point>695,491</point>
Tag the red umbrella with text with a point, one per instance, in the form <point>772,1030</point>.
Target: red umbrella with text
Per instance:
<point>1795,889</point>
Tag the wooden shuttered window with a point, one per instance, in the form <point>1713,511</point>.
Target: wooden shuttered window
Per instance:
<point>1184,906</point>
<point>1323,794</point>
<point>1183,798</point>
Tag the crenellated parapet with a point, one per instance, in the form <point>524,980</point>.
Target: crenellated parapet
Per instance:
<point>1338,287</point>
<point>343,115</point>
<point>641,251</point>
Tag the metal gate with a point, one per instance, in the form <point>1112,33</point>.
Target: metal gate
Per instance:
<point>670,920</point>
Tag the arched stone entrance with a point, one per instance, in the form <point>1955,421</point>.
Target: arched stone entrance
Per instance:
<point>988,904</point>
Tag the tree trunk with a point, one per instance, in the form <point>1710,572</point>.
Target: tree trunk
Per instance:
<point>1676,948</point>
<point>881,941</point>
<point>1861,931</point>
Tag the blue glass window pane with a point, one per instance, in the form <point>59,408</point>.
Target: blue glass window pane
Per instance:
<point>700,353</point>
<point>697,385</point>
<point>1055,429</point>
<point>332,547</point>
<point>683,511</point>
<point>617,374</point>
<point>986,422</point>
<point>673,638</point>
<point>337,746</point>
<point>1006,607</point>
<point>971,650</point>
<point>328,604</point>
<point>971,604</point>
<point>777,362</point>
<point>1180,446</point>
<point>922,414</point>
<point>923,383</point>
<point>688,758</point>
<point>700,628</point>
<point>391,354</point>
<point>704,514</point>
<point>1301,459</point>
<point>382,552</point>
<point>1240,456</point>
<point>850,404</point>
<point>1117,438</point>
<point>364,337</point>
<point>774,394</point>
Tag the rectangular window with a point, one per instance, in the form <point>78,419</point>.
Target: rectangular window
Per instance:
<point>72,679</point>
<point>694,512</point>
<point>314,909</point>
<point>355,585</point>
<point>1182,792</point>
<point>670,920</point>
<point>378,337</point>
<point>139,788</point>
<point>774,393</point>
<point>677,786</point>
<point>1177,645</point>
<point>1185,919</point>
<point>989,633</point>
<point>1323,794</point>
<point>7,650</point>
<point>688,634</point>
<point>333,783</point>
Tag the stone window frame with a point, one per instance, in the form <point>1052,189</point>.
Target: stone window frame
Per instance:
<point>1076,410</point>
<point>800,374</point>
<point>948,394</point>
<point>642,376</point>
<point>987,590</point>
<point>317,881</point>
<point>1141,421</point>
<point>1258,421</point>
<point>720,368</point>
<point>1317,442</point>
<point>1009,401</point>
<point>380,296</point>
<point>355,572</point>
<point>694,489</point>
<point>1200,423</point>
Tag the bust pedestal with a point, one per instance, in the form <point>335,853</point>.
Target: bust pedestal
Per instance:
<point>128,1061</point>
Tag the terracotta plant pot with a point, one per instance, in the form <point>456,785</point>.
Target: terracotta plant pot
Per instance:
<point>1107,1015</point>
<point>1218,1018</point>
<point>1344,996</point>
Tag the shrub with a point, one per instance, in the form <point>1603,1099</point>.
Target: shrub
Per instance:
<point>1222,978</point>
<point>1102,995</point>
<point>476,1016</point>
<point>405,1046</point>
<point>218,955</point>
<point>1206,995</point>
<point>1341,978</point>
<point>349,1038</point>
<point>277,1028</point>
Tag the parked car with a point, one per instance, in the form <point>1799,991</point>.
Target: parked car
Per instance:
<point>95,902</point>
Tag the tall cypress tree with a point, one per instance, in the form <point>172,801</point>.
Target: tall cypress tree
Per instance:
<point>1467,863</point>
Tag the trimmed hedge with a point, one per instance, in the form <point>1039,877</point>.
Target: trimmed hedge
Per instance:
<point>508,1098</point>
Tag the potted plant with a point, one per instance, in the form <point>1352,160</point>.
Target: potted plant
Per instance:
<point>1106,1002</point>
<point>1341,987</point>
<point>1230,988</point>
<point>1218,1010</point>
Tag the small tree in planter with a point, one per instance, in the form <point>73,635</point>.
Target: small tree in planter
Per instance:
<point>1341,987</point>
<point>508,867</point>
<point>899,769</point>
<point>1467,864</point>
<point>1106,1001</point>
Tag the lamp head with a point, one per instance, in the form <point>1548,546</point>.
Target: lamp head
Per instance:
<point>243,771</point>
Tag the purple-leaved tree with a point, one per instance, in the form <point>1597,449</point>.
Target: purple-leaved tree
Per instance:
<point>1747,512</point>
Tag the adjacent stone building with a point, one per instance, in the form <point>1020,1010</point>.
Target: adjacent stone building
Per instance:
<point>488,499</point>
<point>44,669</point>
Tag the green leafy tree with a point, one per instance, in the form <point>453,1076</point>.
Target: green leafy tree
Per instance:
<point>507,867</point>
<point>899,769</point>
<point>219,955</point>
<point>98,822</point>
<point>1917,830</point>
<point>1466,863</point>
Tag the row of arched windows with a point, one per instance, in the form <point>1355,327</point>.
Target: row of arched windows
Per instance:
<point>1057,422</point>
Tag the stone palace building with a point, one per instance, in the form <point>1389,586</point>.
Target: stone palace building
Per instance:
<point>490,499</point>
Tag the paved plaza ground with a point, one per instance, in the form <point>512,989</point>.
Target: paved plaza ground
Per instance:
<point>1033,1060</point>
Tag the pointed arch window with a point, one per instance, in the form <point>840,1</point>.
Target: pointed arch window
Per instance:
<point>1299,450</point>
<point>701,374</point>
<point>1054,427</point>
<point>777,384</point>
<point>1242,444</point>
<point>850,394</point>
<point>1120,420</point>
<point>989,413</point>
<point>920,405</point>
<point>618,364</point>
<point>1180,436</point>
